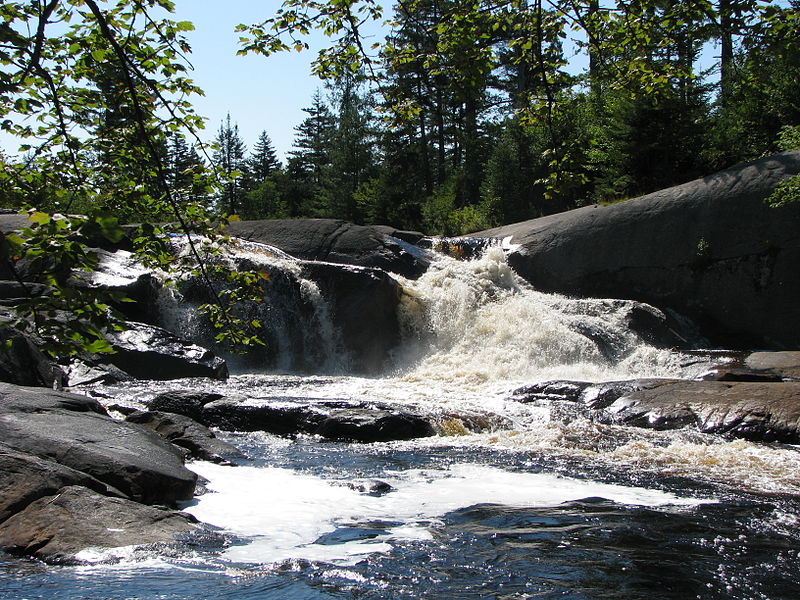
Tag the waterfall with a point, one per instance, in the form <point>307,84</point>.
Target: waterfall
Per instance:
<point>477,321</point>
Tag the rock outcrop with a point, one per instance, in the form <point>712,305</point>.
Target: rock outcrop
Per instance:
<point>754,404</point>
<point>61,527</point>
<point>710,249</point>
<point>338,241</point>
<point>331,419</point>
<point>75,431</point>
<point>73,478</point>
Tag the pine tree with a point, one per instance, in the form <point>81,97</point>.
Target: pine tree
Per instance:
<point>309,163</point>
<point>263,161</point>
<point>229,159</point>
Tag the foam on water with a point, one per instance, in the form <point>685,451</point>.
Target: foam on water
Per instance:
<point>286,513</point>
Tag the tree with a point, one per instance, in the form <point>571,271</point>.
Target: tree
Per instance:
<point>229,159</point>
<point>56,101</point>
<point>309,162</point>
<point>263,162</point>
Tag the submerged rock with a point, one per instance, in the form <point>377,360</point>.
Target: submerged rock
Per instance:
<point>58,528</point>
<point>710,249</point>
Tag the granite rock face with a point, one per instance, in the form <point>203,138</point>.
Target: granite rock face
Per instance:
<point>338,241</point>
<point>74,431</point>
<point>58,528</point>
<point>710,249</point>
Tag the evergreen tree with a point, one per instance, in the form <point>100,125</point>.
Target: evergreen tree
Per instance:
<point>263,161</point>
<point>229,160</point>
<point>309,164</point>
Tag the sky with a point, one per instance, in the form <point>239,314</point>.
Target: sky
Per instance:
<point>261,94</point>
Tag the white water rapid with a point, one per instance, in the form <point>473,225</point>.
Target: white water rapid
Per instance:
<point>472,333</point>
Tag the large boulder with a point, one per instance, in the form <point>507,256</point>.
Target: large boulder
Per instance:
<point>75,431</point>
<point>338,241</point>
<point>60,527</point>
<point>27,478</point>
<point>711,249</point>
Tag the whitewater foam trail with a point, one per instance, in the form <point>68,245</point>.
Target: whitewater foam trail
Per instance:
<point>287,514</point>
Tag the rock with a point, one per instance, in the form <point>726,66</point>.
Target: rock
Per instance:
<point>551,390</point>
<point>768,412</point>
<point>710,249</point>
<point>22,363</point>
<point>364,306</point>
<point>373,426</point>
<point>58,528</point>
<point>186,433</point>
<point>286,418</point>
<point>336,420</point>
<point>183,402</point>
<point>337,241</point>
<point>75,431</point>
<point>734,374</point>
<point>13,292</point>
<point>782,364</point>
<point>603,395</point>
<point>27,478</point>
<point>149,352</point>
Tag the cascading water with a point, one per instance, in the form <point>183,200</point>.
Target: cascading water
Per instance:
<point>510,500</point>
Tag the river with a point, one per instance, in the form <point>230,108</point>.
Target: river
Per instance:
<point>510,500</point>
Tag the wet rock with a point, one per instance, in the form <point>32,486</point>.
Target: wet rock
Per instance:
<point>286,418</point>
<point>768,412</point>
<point>27,478</point>
<point>370,487</point>
<point>22,363</point>
<point>327,418</point>
<point>783,364</point>
<point>551,390</point>
<point>710,249</point>
<point>737,374</point>
<point>149,352</point>
<point>183,402</point>
<point>374,426</point>
<point>603,395</point>
<point>364,308</point>
<point>58,528</point>
<point>337,241</point>
<point>592,395</point>
<point>75,431</point>
<point>184,432</point>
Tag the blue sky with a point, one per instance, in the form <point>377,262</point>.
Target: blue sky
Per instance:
<point>260,93</point>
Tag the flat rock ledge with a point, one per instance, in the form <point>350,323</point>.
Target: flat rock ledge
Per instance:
<point>761,403</point>
<point>72,479</point>
<point>338,420</point>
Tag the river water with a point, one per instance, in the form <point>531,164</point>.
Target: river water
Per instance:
<point>509,501</point>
